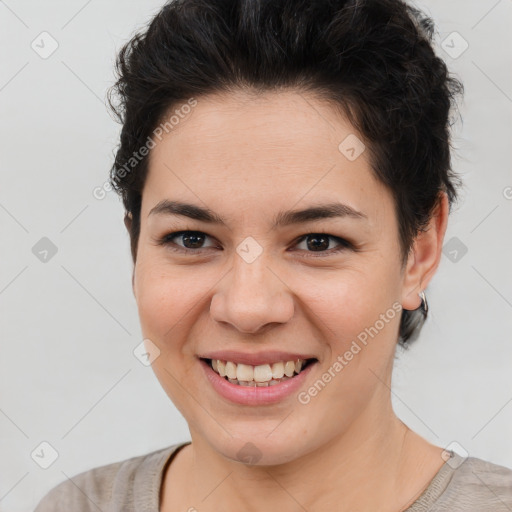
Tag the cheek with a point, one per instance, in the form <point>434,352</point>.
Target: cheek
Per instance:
<point>156,293</point>
<point>165,296</point>
<point>357,311</point>
<point>360,326</point>
<point>348,299</point>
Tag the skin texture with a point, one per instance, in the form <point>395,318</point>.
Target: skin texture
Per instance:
<point>247,157</point>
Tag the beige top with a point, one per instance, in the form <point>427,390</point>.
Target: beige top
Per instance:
<point>133,485</point>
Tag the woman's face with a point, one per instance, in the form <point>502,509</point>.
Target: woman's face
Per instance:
<point>257,287</point>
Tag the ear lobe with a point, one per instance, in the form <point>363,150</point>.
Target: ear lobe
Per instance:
<point>425,255</point>
<point>128,221</point>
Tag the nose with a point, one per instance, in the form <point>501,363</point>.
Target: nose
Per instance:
<point>252,297</point>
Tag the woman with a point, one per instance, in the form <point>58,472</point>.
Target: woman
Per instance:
<point>285,170</point>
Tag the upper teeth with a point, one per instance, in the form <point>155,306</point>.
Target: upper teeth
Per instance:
<point>260,373</point>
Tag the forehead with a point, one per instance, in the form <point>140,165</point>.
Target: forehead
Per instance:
<point>240,152</point>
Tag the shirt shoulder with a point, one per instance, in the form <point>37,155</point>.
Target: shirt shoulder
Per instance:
<point>477,485</point>
<point>111,487</point>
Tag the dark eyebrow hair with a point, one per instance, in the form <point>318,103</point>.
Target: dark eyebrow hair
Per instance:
<point>167,207</point>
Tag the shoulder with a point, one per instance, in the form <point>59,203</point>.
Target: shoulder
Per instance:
<point>111,484</point>
<point>476,485</point>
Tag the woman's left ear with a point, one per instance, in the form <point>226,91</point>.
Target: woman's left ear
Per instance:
<point>425,255</point>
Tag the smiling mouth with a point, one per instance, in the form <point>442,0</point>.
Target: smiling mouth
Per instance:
<point>259,376</point>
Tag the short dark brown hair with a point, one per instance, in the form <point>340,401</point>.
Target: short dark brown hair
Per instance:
<point>373,59</point>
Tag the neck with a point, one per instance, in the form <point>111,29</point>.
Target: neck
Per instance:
<point>376,465</point>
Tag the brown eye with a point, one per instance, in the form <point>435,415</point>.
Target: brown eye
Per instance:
<point>320,242</point>
<point>192,241</point>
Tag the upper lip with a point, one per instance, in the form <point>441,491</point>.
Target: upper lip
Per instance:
<point>256,358</point>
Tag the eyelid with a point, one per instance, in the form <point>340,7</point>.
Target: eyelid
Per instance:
<point>165,239</point>
<point>343,243</point>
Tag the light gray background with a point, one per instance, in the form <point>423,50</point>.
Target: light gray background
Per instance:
<point>68,326</point>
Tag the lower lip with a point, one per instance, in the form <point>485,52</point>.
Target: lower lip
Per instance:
<point>254,395</point>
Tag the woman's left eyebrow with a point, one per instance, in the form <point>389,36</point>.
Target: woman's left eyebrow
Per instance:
<point>285,218</point>
<point>331,210</point>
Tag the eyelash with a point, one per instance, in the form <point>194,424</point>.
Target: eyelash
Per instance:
<point>166,241</point>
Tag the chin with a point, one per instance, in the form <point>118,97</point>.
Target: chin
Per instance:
<point>261,450</point>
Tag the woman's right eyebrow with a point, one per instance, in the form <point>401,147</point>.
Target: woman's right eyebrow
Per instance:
<point>284,218</point>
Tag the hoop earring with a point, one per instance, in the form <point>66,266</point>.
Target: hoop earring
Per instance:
<point>424,304</point>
